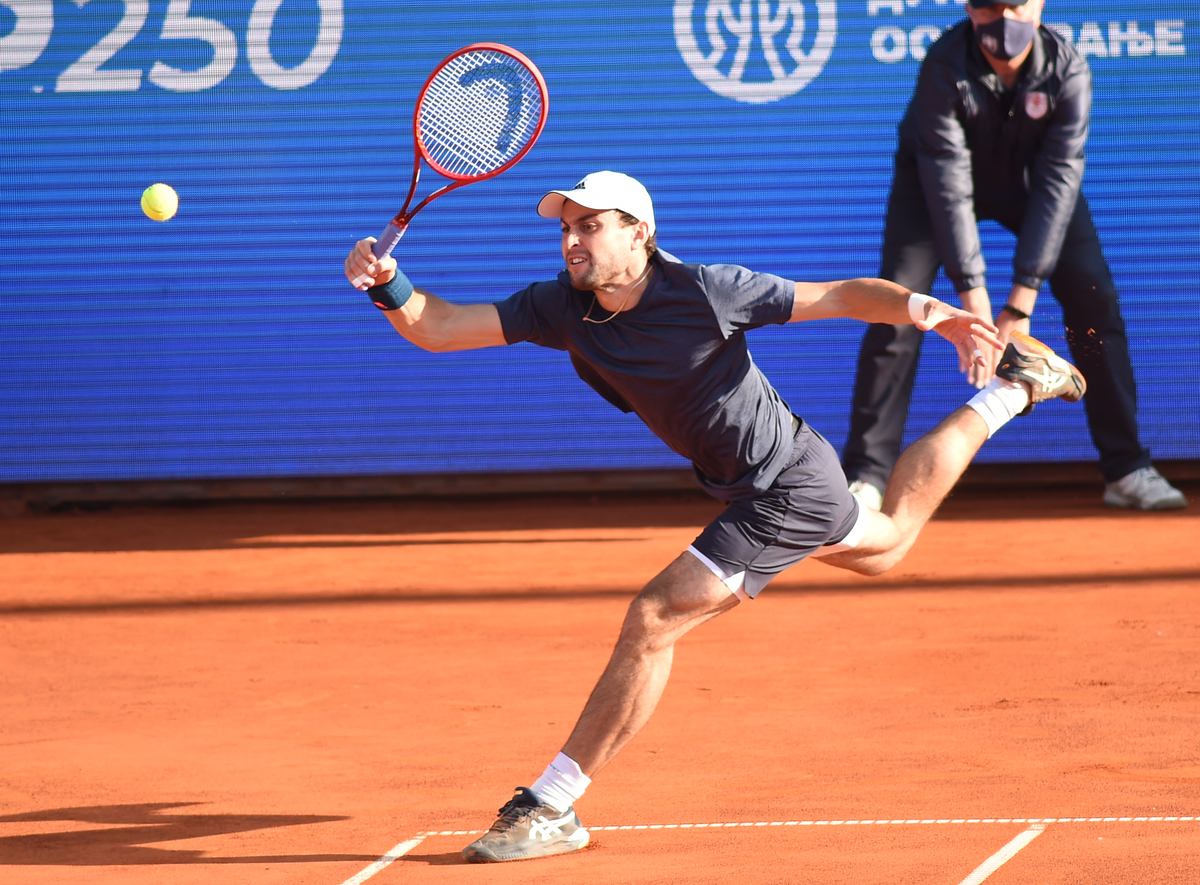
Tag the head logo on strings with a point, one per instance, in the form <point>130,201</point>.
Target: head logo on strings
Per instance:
<point>510,83</point>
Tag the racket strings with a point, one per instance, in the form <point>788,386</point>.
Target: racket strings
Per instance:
<point>479,112</point>
<point>469,130</point>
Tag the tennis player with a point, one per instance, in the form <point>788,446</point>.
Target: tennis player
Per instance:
<point>667,340</point>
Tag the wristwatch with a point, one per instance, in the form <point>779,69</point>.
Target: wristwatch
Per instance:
<point>1015,311</point>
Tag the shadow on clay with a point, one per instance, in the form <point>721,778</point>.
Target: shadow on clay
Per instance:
<point>125,833</point>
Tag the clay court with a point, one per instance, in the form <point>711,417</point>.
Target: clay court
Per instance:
<point>337,692</point>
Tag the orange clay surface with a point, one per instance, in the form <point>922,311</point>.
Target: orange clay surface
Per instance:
<point>281,693</point>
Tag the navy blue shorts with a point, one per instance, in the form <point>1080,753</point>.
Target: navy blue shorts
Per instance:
<point>807,507</point>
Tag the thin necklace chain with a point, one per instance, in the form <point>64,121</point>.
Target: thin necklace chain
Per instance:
<point>588,316</point>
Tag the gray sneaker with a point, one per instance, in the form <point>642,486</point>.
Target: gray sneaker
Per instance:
<point>868,495</point>
<point>526,829</point>
<point>1144,489</point>
<point>1047,374</point>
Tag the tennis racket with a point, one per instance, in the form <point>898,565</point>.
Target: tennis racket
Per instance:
<point>479,113</point>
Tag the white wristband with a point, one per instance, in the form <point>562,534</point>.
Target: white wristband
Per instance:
<point>916,306</point>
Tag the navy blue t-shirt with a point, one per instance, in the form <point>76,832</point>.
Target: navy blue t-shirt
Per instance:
<point>678,358</point>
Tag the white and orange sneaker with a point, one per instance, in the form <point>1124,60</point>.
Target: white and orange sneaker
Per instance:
<point>1048,375</point>
<point>526,829</point>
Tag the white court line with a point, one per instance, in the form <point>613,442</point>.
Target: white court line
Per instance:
<point>384,862</point>
<point>864,823</point>
<point>928,821</point>
<point>1004,855</point>
<point>1036,826</point>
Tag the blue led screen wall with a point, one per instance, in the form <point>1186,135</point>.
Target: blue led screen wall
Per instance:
<point>227,343</point>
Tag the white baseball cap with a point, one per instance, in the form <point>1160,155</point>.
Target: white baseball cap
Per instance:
<point>603,190</point>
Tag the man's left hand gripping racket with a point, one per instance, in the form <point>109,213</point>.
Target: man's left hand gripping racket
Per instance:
<point>479,112</point>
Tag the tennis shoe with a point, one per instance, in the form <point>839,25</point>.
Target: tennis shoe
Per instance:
<point>1144,489</point>
<point>1048,375</point>
<point>868,495</point>
<point>526,829</point>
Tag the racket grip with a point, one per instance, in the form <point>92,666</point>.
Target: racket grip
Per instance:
<point>387,240</point>
<point>383,248</point>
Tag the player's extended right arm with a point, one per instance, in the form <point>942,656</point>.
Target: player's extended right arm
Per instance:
<point>426,320</point>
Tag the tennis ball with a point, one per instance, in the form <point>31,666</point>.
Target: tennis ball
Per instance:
<point>160,202</point>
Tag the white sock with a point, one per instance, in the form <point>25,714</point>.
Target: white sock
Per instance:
<point>561,783</point>
<point>1000,402</point>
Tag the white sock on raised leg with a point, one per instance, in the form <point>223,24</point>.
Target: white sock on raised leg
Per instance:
<point>561,783</point>
<point>1000,402</point>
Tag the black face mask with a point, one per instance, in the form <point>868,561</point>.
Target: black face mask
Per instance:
<point>1005,38</point>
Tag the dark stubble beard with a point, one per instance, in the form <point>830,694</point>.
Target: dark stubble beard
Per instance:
<point>595,276</point>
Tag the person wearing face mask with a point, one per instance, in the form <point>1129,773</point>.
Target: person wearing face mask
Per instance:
<point>996,130</point>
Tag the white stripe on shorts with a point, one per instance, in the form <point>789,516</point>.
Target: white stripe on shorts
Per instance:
<point>851,540</point>
<point>733,582</point>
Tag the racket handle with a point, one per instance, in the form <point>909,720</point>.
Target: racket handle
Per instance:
<point>383,248</point>
<point>388,239</point>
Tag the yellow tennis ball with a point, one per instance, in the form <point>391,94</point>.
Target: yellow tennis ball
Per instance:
<point>160,202</point>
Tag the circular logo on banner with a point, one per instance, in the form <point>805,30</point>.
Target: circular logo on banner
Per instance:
<point>773,29</point>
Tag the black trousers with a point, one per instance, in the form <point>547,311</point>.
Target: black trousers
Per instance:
<point>1095,332</point>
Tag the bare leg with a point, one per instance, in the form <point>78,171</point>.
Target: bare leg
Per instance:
<point>686,593</point>
<point>682,596</point>
<point>924,475</point>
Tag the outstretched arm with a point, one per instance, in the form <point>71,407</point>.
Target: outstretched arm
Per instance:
<point>878,301</point>
<point>426,320</point>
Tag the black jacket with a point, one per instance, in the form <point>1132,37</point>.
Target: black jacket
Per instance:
<point>982,151</point>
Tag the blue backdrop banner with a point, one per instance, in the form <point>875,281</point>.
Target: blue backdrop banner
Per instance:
<point>226,342</point>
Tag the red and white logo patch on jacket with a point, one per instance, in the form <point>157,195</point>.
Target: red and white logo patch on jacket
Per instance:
<point>1036,105</point>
